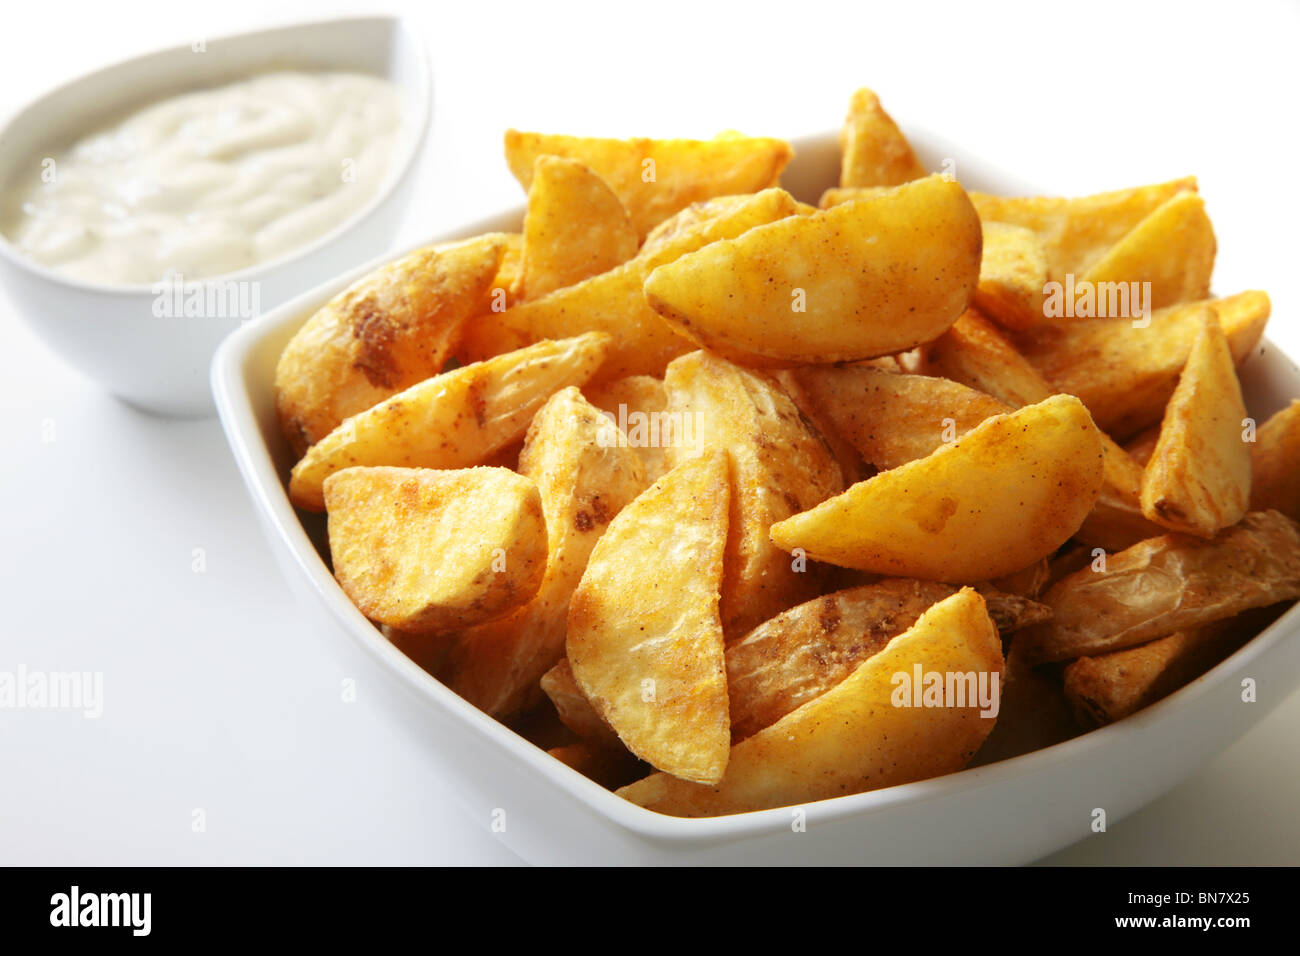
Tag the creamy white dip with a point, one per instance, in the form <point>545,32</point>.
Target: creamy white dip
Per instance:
<point>210,182</point>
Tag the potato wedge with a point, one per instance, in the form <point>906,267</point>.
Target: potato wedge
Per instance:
<point>1010,492</point>
<point>575,227</point>
<point>400,551</point>
<point>613,302</point>
<point>666,234</point>
<point>575,709</point>
<point>453,420</point>
<point>585,477</point>
<point>1126,375</point>
<point>893,418</point>
<point>873,150</point>
<point>1172,248</point>
<point>384,333</point>
<point>1166,584</point>
<point>864,279</point>
<point>852,467</point>
<point>857,736</point>
<point>1198,478</point>
<point>778,467</point>
<point>645,640</point>
<point>655,178</point>
<point>1275,463</point>
<point>1013,272</point>
<point>1078,232</point>
<point>638,403</point>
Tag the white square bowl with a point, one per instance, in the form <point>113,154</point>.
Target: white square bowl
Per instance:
<point>1005,813</point>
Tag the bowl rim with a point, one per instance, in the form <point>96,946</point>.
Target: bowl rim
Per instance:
<point>421,109</point>
<point>270,496</point>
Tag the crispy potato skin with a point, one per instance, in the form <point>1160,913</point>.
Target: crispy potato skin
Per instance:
<point>853,737</point>
<point>645,639</point>
<point>384,333</point>
<point>1167,584</point>
<point>613,302</point>
<point>585,479</point>
<point>1198,478</point>
<point>454,420</point>
<point>778,466</point>
<point>400,551</point>
<point>1275,462</point>
<point>575,227</point>
<point>655,178</point>
<point>874,152</point>
<point>860,280</point>
<point>1126,375</point>
<point>1009,493</point>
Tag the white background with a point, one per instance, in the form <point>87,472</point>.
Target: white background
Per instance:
<point>216,695</point>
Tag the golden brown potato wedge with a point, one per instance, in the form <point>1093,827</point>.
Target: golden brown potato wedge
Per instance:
<point>613,302</point>
<point>859,735</point>
<point>645,640</point>
<point>666,234</point>
<point>507,287</point>
<point>893,418</point>
<point>778,466</point>
<point>1009,493</point>
<point>852,467</point>
<point>1172,248</point>
<point>586,475</point>
<point>655,178</point>
<point>639,404</point>
<point>575,709</point>
<point>1198,478</point>
<point>1126,374</point>
<point>873,150</point>
<point>453,420</point>
<point>1078,232</point>
<point>1275,463</point>
<point>384,333</point>
<point>1166,584</point>
<point>575,227</point>
<point>401,552</point>
<point>863,279</point>
<point>1013,272</point>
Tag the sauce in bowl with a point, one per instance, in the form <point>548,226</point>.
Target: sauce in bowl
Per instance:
<point>209,182</point>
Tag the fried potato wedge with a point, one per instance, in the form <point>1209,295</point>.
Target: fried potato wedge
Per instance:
<point>655,178</point>
<point>1078,232</point>
<point>401,552</point>
<point>1010,492</point>
<point>1166,584</point>
<point>1172,248</point>
<point>453,420</point>
<point>1125,374</point>
<point>664,235</point>
<point>575,227</point>
<point>639,404</point>
<point>858,735</point>
<point>893,418</point>
<point>863,279</point>
<point>1013,272</point>
<point>645,640</point>
<point>1198,478</point>
<point>873,152</point>
<point>778,467</point>
<point>1109,687</point>
<point>1275,463</point>
<point>613,302</point>
<point>975,352</point>
<point>507,287</point>
<point>387,331</point>
<point>586,475</point>
<point>852,467</point>
<point>574,709</point>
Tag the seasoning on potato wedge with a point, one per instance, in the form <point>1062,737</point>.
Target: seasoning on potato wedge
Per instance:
<point>863,279</point>
<point>453,420</point>
<point>645,639</point>
<point>1198,478</point>
<point>862,734</point>
<point>401,552</point>
<point>387,331</point>
<point>585,476</point>
<point>1007,494</point>
<point>873,151</point>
